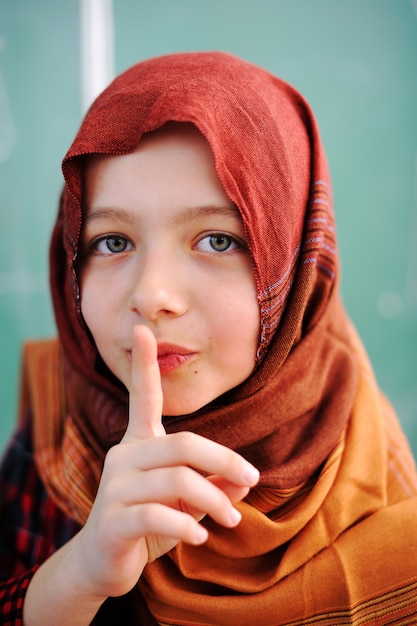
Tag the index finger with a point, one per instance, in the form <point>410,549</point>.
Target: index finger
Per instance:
<point>145,401</point>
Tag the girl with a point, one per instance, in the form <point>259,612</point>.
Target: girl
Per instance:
<point>204,443</point>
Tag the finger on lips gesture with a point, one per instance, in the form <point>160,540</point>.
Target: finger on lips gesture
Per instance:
<point>145,401</point>
<point>230,475</point>
<point>156,487</point>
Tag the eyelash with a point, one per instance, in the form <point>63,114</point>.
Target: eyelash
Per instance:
<point>105,239</point>
<point>232,243</point>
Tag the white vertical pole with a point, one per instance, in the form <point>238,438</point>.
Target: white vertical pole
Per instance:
<point>97,48</point>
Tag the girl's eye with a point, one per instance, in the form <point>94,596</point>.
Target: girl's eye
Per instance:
<point>111,244</point>
<point>219,242</point>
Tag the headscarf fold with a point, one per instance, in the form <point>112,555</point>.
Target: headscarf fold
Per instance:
<point>309,417</point>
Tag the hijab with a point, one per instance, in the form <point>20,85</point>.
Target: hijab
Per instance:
<point>270,161</point>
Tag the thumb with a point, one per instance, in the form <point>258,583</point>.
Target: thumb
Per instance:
<point>145,401</point>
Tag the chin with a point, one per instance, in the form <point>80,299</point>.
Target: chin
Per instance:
<point>176,409</point>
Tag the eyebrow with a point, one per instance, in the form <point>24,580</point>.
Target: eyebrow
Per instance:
<point>195,212</point>
<point>109,213</point>
<point>181,217</point>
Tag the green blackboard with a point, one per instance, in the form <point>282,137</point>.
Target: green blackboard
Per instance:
<point>355,61</point>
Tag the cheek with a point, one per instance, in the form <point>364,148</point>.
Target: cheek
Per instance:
<point>93,306</point>
<point>87,297</point>
<point>239,331</point>
<point>251,331</point>
<point>87,311</point>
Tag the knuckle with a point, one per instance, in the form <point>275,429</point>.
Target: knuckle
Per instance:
<point>233,461</point>
<point>112,457</point>
<point>113,491</point>
<point>187,439</point>
<point>180,479</point>
<point>146,517</point>
<point>231,466</point>
<point>186,443</point>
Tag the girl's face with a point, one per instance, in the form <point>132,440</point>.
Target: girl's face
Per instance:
<point>164,246</point>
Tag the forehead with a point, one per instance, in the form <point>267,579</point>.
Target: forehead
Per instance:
<point>171,165</point>
<point>172,138</point>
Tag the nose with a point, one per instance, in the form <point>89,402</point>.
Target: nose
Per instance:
<point>157,287</point>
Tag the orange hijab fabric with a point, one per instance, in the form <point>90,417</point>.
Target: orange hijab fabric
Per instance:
<point>310,416</point>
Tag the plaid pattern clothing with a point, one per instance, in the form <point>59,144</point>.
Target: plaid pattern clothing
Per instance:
<point>31,525</point>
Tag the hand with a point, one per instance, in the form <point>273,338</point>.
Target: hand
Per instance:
<point>155,487</point>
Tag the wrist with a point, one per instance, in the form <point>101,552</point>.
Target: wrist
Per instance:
<point>61,588</point>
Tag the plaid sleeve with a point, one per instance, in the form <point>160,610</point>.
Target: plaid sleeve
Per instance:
<point>12,594</point>
<point>31,525</point>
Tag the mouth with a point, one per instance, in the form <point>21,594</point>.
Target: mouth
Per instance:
<point>171,357</point>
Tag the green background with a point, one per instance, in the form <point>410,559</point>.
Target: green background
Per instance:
<point>354,60</point>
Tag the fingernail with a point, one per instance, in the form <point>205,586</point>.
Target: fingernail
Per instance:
<point>251,475</point>
<point>235,516</point>
<point>201,535</point>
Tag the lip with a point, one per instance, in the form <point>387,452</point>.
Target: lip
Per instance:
<point>171,357</point>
